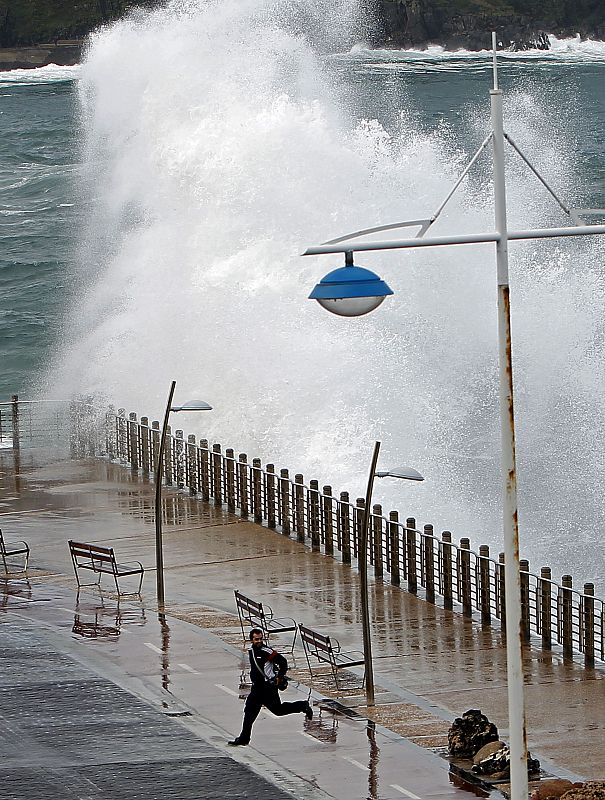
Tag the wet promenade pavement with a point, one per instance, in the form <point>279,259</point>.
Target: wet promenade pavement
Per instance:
<point>100,699</point>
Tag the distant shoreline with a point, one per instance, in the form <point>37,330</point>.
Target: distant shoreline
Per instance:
<point>68,52</point>
<point>65,53</point>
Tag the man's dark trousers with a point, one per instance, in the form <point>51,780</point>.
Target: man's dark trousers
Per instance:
<point>266,695</point>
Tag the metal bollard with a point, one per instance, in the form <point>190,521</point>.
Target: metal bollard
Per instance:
<point>484,585</point>
<point>327,510</point>
<point>270,499</point>
<point>410,546</point>
<point>284,501</point>
<point>447,576</point>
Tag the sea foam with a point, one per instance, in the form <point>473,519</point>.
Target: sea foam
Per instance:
<point>218,143</point>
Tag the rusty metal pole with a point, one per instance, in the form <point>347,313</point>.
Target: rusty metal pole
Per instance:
<point>159,555</point>
<point>362,562</point>
<point>514,647</point>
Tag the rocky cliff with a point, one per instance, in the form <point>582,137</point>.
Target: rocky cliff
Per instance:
<point>520,24</point>
<point>44,30</point>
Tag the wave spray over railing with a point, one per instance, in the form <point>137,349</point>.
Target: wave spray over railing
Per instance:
<point>424,563</point>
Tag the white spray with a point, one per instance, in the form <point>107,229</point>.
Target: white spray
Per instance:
<point>217,146</point>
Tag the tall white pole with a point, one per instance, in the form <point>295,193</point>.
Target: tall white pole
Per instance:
<point>514,644</point>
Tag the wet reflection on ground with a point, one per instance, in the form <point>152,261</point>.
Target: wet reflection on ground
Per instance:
<point>459,782</point>
<point>374,759</point>
<point>165,660</point>
<point>94,630</point>
<point>14,589</point>
<point>103,620</point>
<point>323,727</point>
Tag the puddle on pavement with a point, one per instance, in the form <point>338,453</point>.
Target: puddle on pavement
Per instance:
<point>165,646</point>
<point>460,783</point>
<point>94,630</point>
<point>103,621</point>
<point>323,727</point>
<point>14,590</point>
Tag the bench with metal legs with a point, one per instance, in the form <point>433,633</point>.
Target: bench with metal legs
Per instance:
<point>327,650</point>
<point>101,560</point>
<point>255,614</point>
<point>10,549</point>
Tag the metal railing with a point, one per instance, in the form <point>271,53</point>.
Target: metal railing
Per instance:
<point>424,563</point>
<point>399,552</point>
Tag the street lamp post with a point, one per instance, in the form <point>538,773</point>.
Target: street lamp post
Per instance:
<point>342,292</point>
<point>194,405</point>
<point>404,473</point>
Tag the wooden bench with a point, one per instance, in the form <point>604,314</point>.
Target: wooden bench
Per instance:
<point>256,615</point>
<point>327,651</point>
<point>101,560</point>
<point>9,549</point>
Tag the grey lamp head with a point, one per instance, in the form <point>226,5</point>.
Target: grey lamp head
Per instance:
<point>406,473</point>
<point>192,405</point>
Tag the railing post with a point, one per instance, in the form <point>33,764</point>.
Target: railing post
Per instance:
<point>314,514</point>
<point>299,508</point>
<point>502,591</point>
<point>257,508</point>
<point>230,478</point>
<point>327,507</point>
<point>192,476</point>
<point>284,501</point>
<point>122,435</point>
<point>464,578</point>
<point>377,527</point>
<point>344,521</point>
<point>242,485</point>
<point>588,624</point>
<point>428,560</point>
<point>179,458</point>
<point>15,420</point>
<point>217,474</point>
<point>447,577</point>
<point>484,585</point>
<point>270,499</point>
<point>133,442</point>
<point>75,430</point>
<point>203,469</point>
<point>358,511</point>
<point>168,457</point>
<point>144,444</point>
<point>394,548</point>
<point>545,595</point>
<point>109,433</point>
<point>525,600</point>
<point>410,546</point>
<point>566,612</point>
<point>155,444</point>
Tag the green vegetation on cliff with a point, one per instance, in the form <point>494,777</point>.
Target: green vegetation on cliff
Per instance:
<point>31,22</point>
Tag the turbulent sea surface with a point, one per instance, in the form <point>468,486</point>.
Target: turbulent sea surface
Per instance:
<point>155,202</point>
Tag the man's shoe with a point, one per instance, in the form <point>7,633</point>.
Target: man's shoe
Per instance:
<point>237,742</point>
<point>309,711</point>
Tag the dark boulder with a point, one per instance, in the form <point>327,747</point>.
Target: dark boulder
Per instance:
<point>497,765</point>
<point>469,733</point>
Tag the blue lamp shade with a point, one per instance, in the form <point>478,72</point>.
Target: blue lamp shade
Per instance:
<point>350,291</point>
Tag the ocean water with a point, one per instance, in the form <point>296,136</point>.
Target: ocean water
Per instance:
<point>156,200</point>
